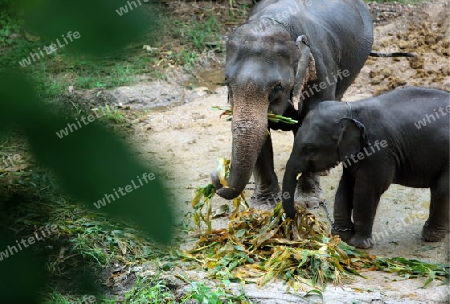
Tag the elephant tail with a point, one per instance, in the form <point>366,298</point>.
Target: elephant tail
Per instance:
<point>395,54</point>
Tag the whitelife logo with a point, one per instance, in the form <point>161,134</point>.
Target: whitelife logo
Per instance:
<point>29,241</point>
<point>124,9</point>
<point>423,123</point>
<point>49,49</point>
<point>108,198</point>
<point>71,127</point>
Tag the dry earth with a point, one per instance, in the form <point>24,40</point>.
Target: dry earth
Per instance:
<point>187,137</point>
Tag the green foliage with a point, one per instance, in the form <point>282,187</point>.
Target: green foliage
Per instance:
<point>113,115</point>
<point>149,290</point>
<point>8,26</point>
<point>207,295</point>
<point>98,36</point>
<point>204,294</point>
<point>90,162</point>
<point>204,34</point>
<point>78,159</point>
<point>400,1</point>
<point>185,40</point>
<point>66,67</point>
<point>414,268</point>
<point>57,298</point>
<point>261,245</point>
<point>228,112</point>
<point>194,36</point>
<point>17,287</point>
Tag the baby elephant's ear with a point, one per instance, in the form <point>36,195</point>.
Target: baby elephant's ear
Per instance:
<point>352,137</point>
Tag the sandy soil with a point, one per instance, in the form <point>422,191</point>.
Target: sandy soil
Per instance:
<point>188,137</point>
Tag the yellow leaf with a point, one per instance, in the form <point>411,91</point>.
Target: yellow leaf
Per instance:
<point>323,249</point>
<point>197,198</point>
<point>222,170</point>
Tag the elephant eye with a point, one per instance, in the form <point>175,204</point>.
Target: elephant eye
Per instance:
<point>276,92</point>
<point>278,87</point>
<point>308,150</point>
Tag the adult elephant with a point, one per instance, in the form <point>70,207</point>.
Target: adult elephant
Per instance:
<point>287,57</point>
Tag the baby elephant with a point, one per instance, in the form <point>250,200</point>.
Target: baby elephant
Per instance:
<point>401,137</point>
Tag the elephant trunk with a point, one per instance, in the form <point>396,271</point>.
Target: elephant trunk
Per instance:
<point>249,131</point>
<point>289,185</point>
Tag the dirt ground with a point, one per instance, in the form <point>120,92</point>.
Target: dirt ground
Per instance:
<point>187,137</point>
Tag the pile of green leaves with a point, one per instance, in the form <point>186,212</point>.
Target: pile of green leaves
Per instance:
<point>259,245</point>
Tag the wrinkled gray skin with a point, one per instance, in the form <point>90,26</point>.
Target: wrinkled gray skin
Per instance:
<point>265,71</point>
<point>410,156</point>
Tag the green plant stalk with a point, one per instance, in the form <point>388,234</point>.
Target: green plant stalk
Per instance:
<point>271,116</point>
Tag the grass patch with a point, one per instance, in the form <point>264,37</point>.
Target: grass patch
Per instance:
<point>85,239</point>
<point>150,290</point>
<point>180,41</point>
<point>112,114</point>
<point>398,1</point>
<point>219,295</point>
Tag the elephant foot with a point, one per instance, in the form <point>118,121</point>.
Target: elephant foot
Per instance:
<point>309,194</point>
<point>432,234</point>
<point>344,233</point>
<point>265,202</point>
<point>362,242</point>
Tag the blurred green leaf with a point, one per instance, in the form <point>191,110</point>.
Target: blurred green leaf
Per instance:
<point>102,30</point>
<point>89,162</point>
<point>19,273</point>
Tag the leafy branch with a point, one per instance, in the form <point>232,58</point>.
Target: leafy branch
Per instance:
<point>228,112</point>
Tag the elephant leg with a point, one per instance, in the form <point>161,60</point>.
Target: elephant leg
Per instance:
<point>343,205</point>
<point>309,193</point>
<point>267,190</point>
<point>437,224</point>
<point>369,186</point>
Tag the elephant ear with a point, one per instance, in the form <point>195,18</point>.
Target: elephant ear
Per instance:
<point>305,71</point>
<point>352,137</point>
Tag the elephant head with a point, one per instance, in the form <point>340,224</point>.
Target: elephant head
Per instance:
<point>325,138</point>
<point>265,71</point>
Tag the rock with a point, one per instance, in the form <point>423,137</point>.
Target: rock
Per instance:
<point>403,44</point>
<point>376,80</point>
<point>201,91</point>
<point>416,63</point>
<point>146,96</point>
<point>386,72</point>
<point>430,40</point>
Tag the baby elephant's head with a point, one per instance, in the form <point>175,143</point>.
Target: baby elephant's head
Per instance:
<point>325,138</point>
